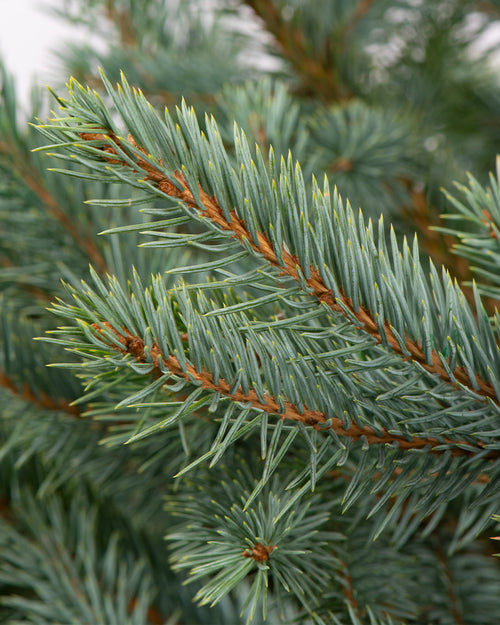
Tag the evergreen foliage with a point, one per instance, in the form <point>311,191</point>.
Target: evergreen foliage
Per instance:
<point>265,383</point>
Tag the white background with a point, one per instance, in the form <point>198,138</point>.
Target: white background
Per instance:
<point>28,35</point>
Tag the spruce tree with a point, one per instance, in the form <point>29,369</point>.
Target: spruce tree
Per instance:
<point>250,353</point>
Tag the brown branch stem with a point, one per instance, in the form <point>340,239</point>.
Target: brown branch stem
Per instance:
<point>134,345</point>
<point>122,19</point>
<point>86,244</point>
<point>449,582</point>
<point>315,68</point>
<point>362,7</point>
<point>41,399</point>
<point>348,589</point>
<point>32,180</point>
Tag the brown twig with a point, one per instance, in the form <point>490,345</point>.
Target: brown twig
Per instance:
<point>444,563</point>
<point>35,291</point>
<point>123,20</point>
<point>33,181</point>
<point>153,614</point>
<point>134,345</point>
<point>41,399</point>
<point>360,11</point>
<point>315,68</point>
<point>432,242</point>
<point>348,589</point>
<point>440,246</point>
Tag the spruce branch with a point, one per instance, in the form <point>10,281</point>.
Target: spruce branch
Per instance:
<point>417,372</point>
<point>282,541</point>
<point>289,264</point>
<point>320,247</point>
<point>459,595</point>
<point>239,397</point>
<point>43,558</point>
